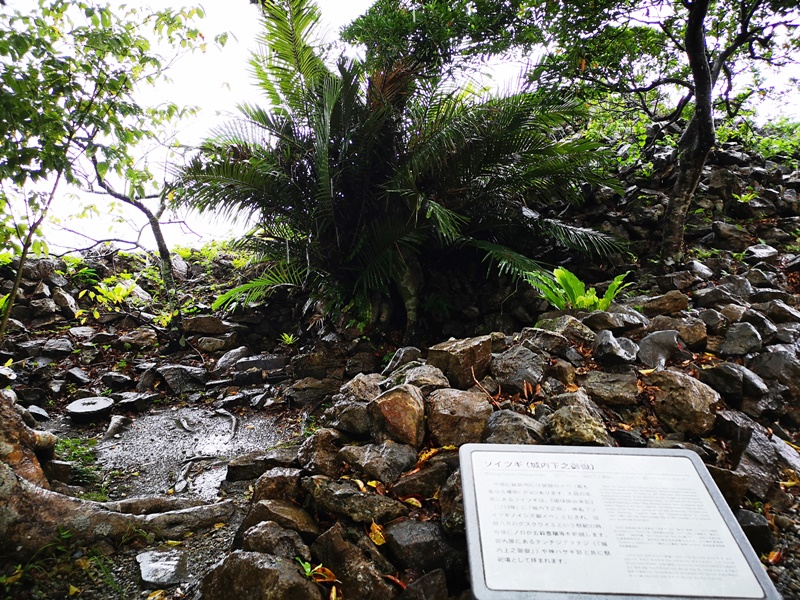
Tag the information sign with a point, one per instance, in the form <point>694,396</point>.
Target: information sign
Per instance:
<point>559,522</point>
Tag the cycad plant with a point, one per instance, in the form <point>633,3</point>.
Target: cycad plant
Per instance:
<point>354,177</point>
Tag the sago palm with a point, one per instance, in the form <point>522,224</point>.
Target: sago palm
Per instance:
<point>351,175</point>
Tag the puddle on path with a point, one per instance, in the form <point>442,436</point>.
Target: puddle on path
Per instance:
<point>154,452</point>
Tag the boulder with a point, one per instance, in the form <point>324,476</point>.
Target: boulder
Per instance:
<point>424,482</point>
<point>283,512</point>
<point>451,504</point>
<point>690,329</point>
<point>319,453</point>
<point>509,427</point>
<point>279,483</point>
<point>270,538</point>
<point>427,378</point>
<point>357,563</point>
<point>611,388</point>
<point>253,464</point>
<point>516,367</point>
<point>344,499</point>
<point>462,361</point>
<point>682,402</point>
<point>421,546</point>
<point>741,338</point>
<point>576,425</point>
<point>457,417</point>
<point>571,328</point>
<point>611,350</point>
<point>657,348</point>
<point>256,576</point>
<point>670,303</point>
<point>384,462</point>
<point>399,414</point>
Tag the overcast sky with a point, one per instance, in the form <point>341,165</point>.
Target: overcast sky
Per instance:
<point>215,82</point>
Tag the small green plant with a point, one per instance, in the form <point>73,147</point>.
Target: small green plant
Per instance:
<point>565,290</point>
<point>79,451</point>
<point>746,197</point>
<point>288,339</point>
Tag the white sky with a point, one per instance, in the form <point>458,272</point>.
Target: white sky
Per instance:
<point>215,81</point>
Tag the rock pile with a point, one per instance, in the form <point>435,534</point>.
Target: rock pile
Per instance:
<point>709,368</point>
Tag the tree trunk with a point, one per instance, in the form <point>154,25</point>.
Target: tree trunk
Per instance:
<point>696,142</point>
<point>409,285</point>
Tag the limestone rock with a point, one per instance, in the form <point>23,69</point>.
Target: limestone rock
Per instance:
<point>462,361</point>
<point>270,538</point>
<point>611,388</point>
<point>517,366</point>
<point>399,414</point>
<point>256,576</point>
<point>343,498</point>
<point>683,403</point>
<point>384,462</point>
<point>575,425</point>
<point>319,453</point>
<point>457,417</point>
<point>356,562</point>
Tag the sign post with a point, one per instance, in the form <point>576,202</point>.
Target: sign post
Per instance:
<point>569,523</point>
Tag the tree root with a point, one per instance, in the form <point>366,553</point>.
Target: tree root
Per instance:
<point>31,518</point>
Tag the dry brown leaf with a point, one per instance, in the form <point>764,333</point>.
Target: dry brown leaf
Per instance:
<point>394,579</point>
<point>376,534</point>
<point>323,575</point>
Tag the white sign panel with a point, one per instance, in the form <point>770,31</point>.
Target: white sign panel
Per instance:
<point>601,523</point>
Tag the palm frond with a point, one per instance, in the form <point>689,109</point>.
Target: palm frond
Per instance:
<point>582,239</point>
<point>291,62</point>
<point>505,259</point>
<point>280,275</point>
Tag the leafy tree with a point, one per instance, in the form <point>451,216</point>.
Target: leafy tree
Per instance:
<point>671,60</point>
<point>355,176</point>
<point>68,73</point>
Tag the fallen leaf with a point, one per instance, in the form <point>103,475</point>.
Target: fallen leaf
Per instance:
<point>376,534</point>
<point>360,485</point>
<point>173,543</point>
<point>379,487</point>
<point>647,371</point>
<point>219,525</point>
<point>14,577</point>
<point>335,595</point>
<point>157,595</point>
<point>73,590</point>
<point>322,574</point>
<point>413,501</point>
<point>394,579</point>
<point>775,557</point>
